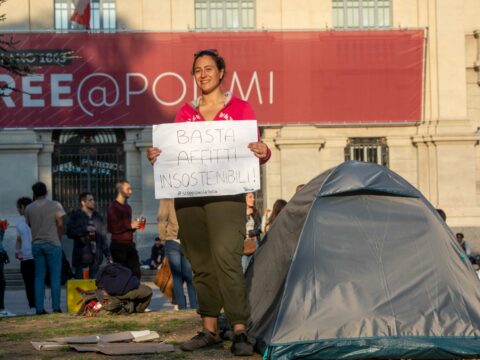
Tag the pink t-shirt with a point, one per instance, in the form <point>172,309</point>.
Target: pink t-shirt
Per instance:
<point>235,109</point>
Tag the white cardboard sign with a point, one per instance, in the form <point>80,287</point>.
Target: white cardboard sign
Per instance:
<point>205,158</point>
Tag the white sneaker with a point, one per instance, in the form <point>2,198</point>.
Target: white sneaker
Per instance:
<point>32,311</point>
<point>6,313</point>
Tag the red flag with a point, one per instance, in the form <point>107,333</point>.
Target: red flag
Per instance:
<point>81,15</point>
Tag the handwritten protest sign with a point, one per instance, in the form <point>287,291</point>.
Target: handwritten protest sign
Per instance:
<point>205,158</point>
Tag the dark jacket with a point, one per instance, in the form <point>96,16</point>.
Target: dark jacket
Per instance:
<point>257,228</point>
<point>156,252</point>
<point>117,279</point>
<point>77,230</point>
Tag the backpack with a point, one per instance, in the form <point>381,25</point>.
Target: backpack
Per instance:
<point>117,279</point>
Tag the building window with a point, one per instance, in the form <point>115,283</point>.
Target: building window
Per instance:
<point>373,150</point>
<point>224,14</point>
<point>361,14</point>
<point>102,15</point>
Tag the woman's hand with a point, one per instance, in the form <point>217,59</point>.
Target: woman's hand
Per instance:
<point>152,154</point>
<point>259,149</point>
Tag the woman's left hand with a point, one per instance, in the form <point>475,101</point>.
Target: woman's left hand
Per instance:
<point>259,149</point>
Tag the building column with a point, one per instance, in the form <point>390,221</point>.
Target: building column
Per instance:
<point>402,158</point>
<point>299,149</point>
<point>133,160</point>
<point>446,176</point>
<point>149,203</point>
<point>44,138</point>
<point>19,166</point>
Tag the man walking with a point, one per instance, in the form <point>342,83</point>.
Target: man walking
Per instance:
<point>45,218</point>
<point>87,229</point>
<point>121,226</point>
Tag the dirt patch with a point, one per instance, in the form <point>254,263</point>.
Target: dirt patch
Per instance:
<point>174,327</point>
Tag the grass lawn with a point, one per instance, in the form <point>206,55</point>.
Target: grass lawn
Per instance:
<point>174,327</point>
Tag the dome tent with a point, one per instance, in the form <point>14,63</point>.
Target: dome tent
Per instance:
<point>360,265</point>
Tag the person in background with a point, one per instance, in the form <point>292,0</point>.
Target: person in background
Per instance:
<point>463,243</point>
<point>121,226</point>
<point>211,226</point>
<point>45,218</point>
<point>265,217</point>
<point>87,229</point>
<point>157,253</point>
<point>252,227</point>
<point>23,253</point>
<point>277,207</point>
<point>179,264</point>
<point>442,214</point>
<point>3,260</point>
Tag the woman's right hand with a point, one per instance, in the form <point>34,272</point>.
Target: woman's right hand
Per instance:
<point>152,154</point>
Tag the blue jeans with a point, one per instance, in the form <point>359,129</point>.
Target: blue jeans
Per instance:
<point>47,257</point>
<point>181,272</point>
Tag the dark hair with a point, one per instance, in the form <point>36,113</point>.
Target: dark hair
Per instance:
<point>83,196</point>
<point>213,53</point>
<point>459,234</point>
<point>254,213</point>
<point>39,189</point>
<point>442,214</point>
<point>24,202</point>
<point>119,185</point>
<point>277,207</point>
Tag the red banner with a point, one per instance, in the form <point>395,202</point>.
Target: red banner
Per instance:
<point>135,79</point>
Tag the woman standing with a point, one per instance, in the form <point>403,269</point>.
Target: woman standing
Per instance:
<point>211,227</point>
<point>278,206</point>
<point>179,264</point>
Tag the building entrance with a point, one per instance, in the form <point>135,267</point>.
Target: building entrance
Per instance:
<point>87,160</point>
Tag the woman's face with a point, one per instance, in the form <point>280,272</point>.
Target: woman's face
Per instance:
<point>207,75</point>
<point>250,200</point>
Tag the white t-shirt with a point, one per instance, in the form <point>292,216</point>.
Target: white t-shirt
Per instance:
<point>23,230</point>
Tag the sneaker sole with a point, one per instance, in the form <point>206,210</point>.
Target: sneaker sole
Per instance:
<point>212,346</point>
<point>243,353</point>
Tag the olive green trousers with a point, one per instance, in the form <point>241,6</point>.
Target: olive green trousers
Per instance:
<point>212,230</point>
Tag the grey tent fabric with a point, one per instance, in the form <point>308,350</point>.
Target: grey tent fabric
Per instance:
<point>360,176</point>
<point>360,265</point>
